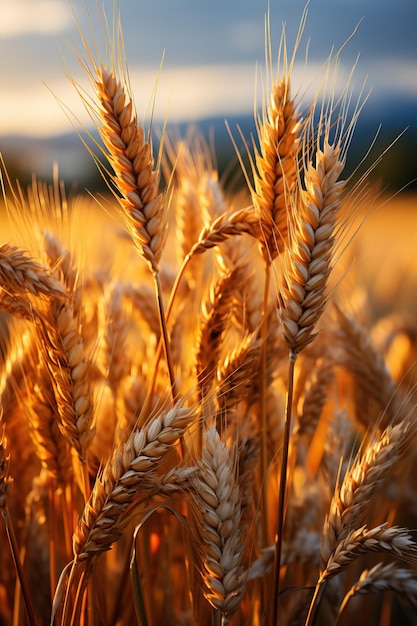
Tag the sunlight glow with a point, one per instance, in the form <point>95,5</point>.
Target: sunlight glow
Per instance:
<point>22,17</point>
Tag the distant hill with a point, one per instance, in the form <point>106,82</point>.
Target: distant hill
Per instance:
<point>387,120</point>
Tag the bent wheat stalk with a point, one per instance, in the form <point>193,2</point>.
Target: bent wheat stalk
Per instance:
<point>129,475</point>
<point>382,578</point>
<point>395,541</point>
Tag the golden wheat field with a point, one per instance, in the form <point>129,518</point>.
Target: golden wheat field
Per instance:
<point>208,407</point>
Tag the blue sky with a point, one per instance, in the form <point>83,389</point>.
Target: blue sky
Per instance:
<point>211,50</point>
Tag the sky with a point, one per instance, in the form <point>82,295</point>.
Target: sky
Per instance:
<point>213,54</point>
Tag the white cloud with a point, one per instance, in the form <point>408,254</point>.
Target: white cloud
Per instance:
<point>22,17</point>
<point>189,93</point>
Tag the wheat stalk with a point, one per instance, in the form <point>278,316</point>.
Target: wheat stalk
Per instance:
<point>395,541</point>
<point>353,499</point>
<point>64,353</point>
<point>381,578</point>
<point>218,514</point>
<point>275,168</point>
<point>21,275</point>
<point>130,156</point>
<point>125,477</point>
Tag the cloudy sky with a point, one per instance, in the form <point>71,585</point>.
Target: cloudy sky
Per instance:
<point>211,52</point>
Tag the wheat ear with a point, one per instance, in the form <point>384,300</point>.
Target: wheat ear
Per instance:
<point>130,156</point>
<point>395,541</point>
<point>21,275</point>
<point>64,353</point>
<point>128,150</point>
<point>381,578</point>
<point>124,478</point>
<point>315,228</point>
<point>353,499</point>
<point>275,168</point>
<point>218,518</point>
<point>345,536</point>
<point>129,475</point>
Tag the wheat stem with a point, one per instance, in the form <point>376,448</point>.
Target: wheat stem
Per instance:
<point>282,488</point>
<point>165,337</point>
<point>14,549</point>
<point>263,425</point>
<point>314,605</point>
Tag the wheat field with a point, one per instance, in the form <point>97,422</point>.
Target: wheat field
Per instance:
<point>208,396</point>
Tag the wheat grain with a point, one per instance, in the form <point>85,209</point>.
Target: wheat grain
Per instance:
<point>130,156</point>
<point>395,541</point>
<point>63,349</point>
<point>21,275</point>
<point>381,578</point>
<point>114,360</point>
<point>275,168</point>
<point>218,513</point>
<point>353,499</point>
<point>302,296</point>
<point>124,478</point>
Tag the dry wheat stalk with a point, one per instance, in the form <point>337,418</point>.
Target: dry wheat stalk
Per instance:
<point>21,275</point>
<point>275,168</point>
<point>128,474</point>
<point>129,153</point>
<point>130,156</point>
<point>214,321</point>
<point>114,361</point>
<point>395,541</point>
<point>303,293</point>
<point>63,349</point>
<point>384,577</point>
<point>315,228</point>
<point>218,514</point>
<point>353,500</point>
